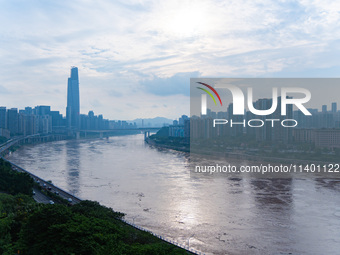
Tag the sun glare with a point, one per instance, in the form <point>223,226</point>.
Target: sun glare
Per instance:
<point>187,22</point>
<point>184,20</point>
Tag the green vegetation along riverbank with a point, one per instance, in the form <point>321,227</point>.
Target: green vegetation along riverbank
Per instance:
<point>27,227</point>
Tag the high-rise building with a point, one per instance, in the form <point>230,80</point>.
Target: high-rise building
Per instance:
<point>264,133</point>
<point>73,105</point>
<point>42,110</point>
<point>32,124</point>
<point>28,110</point>
<point>183,119</point>
<point>237,128</point>
<point>57,118</point>
<point>270,131</point>
<point>45,124</point>
<point>334,107</point>
<point>21,123</point>
<point>12,121</point>
<point>324,108</point>
<point>3,117</point>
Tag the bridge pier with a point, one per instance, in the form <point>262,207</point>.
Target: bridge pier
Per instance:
<point>77,135</point>
<point>146,134</point>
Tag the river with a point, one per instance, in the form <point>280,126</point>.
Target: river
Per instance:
<point>214,215</point>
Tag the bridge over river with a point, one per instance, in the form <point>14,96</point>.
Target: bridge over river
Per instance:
<point>107,133</point>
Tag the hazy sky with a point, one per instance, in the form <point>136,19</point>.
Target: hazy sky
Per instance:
<point>135,58</point>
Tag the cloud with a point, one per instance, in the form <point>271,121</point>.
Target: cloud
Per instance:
<point>150,49</point>
<point>4,90</point>
<point>39,61</point>
<point>174,85</point>
<point>96,103</point>
<point>115,93</point>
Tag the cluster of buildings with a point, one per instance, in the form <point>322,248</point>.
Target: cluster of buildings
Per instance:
<point>180,127</point>
<point>42,120</point>
<point>323,119</point>
<point>202,127</point>
<point>321,138</point>
<point>321,128</point>
<point>121,124</point>
<point>28,121</point>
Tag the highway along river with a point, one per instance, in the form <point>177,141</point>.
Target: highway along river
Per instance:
<point>214,215</point>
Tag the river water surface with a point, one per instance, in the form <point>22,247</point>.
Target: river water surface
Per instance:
<point>214,215</point>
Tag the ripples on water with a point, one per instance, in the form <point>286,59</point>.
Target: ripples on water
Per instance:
<point>225,215</point>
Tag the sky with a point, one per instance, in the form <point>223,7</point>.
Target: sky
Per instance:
<point>136,58</point>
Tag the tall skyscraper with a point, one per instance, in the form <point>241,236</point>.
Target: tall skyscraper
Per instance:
<point>72,109</point>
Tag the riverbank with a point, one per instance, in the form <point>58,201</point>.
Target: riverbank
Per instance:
<point>171,146</point>
<point>16,142</point>
<point>85,228</point>
<point>160,247</point>
<point>241,154</point>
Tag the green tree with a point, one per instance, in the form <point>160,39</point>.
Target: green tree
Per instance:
<point>14,182</point>
<point>14,212</point>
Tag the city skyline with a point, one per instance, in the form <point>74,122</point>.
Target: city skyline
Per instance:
<point>132,66</point>
<point>41,119</point>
